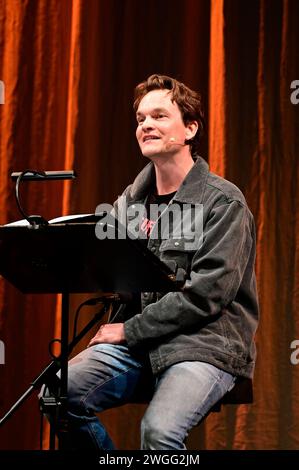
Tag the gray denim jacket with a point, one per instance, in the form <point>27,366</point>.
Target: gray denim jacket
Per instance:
<point>214,318</point>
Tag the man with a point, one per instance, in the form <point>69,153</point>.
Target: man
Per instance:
<point>193,344</point>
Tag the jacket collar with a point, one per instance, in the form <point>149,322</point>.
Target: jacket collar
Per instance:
<point>191,190</point>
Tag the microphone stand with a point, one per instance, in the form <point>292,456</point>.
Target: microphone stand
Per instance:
<point>48,375</point>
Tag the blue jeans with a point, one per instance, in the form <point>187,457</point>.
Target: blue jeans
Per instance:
<point>104,376</point>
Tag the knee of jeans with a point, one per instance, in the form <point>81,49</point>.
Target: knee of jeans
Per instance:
<point>154,432</point>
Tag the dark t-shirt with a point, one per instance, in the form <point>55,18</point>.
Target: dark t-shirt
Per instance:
<point>152,214</point>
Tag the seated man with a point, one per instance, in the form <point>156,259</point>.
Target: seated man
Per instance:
<point>192,344</point>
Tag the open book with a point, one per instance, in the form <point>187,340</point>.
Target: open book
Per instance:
<point>67,219</point>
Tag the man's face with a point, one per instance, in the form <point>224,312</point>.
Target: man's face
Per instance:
<point>160,129</point>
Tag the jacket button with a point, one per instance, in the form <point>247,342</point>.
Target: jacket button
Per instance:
<point>176,243</point>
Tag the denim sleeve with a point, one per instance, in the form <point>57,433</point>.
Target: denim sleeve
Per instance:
<point>216,273</point>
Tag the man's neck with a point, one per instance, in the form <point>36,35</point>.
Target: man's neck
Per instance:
<point>171,171</point>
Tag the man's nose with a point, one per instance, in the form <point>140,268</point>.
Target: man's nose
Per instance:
<point>147,123</point>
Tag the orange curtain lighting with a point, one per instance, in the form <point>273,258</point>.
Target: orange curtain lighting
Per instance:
<point>69,69</point>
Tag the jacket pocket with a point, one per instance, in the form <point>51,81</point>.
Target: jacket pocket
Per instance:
<point>179,251</point>
<point>181,244</point>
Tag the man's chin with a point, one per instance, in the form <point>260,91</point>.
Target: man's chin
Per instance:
<point>151,154</point>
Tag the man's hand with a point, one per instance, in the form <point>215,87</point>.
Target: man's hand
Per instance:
<point>113,333</point>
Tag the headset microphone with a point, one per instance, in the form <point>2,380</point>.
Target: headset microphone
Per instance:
<point>172,140</point>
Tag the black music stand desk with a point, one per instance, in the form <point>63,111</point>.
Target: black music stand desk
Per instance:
<point>68,258</point>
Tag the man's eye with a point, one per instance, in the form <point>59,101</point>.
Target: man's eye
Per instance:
<point>140,120</point>
<point>157,116</point>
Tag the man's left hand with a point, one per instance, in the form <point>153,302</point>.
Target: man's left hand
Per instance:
<point>113,333</point>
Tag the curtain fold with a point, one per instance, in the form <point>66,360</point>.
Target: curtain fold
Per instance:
<point>217,90</point>
<point>69,70</point>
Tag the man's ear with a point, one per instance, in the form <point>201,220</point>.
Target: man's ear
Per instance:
<point>191,129</point>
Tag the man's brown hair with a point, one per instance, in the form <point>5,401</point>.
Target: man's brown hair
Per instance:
<point>188,101</point>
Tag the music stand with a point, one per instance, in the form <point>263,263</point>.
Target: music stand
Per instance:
<point>69,258</point>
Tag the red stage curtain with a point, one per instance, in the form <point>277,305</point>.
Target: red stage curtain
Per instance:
<point>69,69</point>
